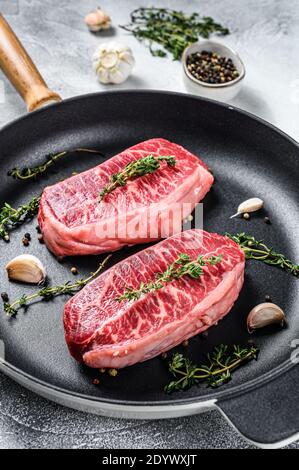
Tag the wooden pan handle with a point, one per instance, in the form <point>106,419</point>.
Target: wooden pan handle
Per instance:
<point>21,71</point>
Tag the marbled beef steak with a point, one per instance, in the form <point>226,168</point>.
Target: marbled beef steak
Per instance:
<point>74,222</point>
<point>103,332</point>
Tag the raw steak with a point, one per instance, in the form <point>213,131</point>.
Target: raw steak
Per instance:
<point>103,332</point>
<point>74,222</point>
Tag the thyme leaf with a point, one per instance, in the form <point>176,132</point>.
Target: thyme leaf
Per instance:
<point>172,30</point>
<point>141,167</point>
<point>183,266</point>
<point>48,293</point>
<point>218,370</point>
<point>11,217</point>
<point>35,171</point>
<point>256,249</point>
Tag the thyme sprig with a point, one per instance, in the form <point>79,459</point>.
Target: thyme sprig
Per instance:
<point>33,172</point>
<point>256,249</point>
<point>48,293</point>
<point>141,167</point>
<point>183,266</point>
<point>11,217</point>
<point>171,29</point>
<point>218,371</point>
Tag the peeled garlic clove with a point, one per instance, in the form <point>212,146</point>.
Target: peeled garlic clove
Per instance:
<point>265,314</point>
<point>97,20</point>
<point>250,205</point>
<point>26,268</point>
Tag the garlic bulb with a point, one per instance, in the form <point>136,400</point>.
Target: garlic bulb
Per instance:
<point>26,268</point>
<point>97,20</point>
<point>113,62</point>
<point>265,314</point>
<point>250,205</point>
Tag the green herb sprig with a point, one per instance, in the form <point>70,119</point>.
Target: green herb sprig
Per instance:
<point>183,266</point>
<point>11,218</point>
<point>25,174</point>
<point>141,167</point>
<point>218,371</point>
<point>48,293</point>
<point>171,29</point>
<point>256,249</point>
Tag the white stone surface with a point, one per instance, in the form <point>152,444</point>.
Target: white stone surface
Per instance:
<point>266,34</point>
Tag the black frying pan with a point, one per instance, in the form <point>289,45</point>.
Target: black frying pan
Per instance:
<point>249,158</point>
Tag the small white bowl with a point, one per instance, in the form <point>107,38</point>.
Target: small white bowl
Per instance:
<point>218,91</point>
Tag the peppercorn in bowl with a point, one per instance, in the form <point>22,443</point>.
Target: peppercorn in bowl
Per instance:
<point>213,70</point>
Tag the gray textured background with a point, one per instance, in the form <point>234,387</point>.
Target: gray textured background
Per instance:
<point>266,34</point>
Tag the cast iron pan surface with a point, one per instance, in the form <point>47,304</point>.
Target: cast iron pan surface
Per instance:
<point>249,158</point>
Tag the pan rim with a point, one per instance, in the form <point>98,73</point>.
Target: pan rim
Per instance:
<point>221,104</point>
<point>14,372</point>
<point>88,399</point>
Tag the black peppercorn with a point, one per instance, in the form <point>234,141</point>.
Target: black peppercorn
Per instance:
<point>267,220</point>
<point>27,236</point>
<point>210,67</point>
<point>4,297</point>
<point>25,241</point>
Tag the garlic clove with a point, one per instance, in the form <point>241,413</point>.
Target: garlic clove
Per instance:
<point>263,315</point>
<point>117,76</point>
<point>113,62</point>
<point>104,74</point>
<point>97,20</point>
<point>121,72</point>
<point>126,56</point>
<point>250,205</point>
<point>26,268</point>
